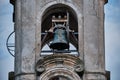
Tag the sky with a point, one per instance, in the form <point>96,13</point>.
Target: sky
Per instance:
<point>112,38</point>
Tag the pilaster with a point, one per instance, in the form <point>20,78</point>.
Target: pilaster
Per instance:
<point>94,56</point>
<point>25,39</point>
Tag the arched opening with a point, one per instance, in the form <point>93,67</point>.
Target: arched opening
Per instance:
<point>59,9</point>
<point>59,78</point>
<point>59,74</point>
<point>56,10</point>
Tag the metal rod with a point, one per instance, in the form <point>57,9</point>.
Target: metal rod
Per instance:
<point>49,51</point>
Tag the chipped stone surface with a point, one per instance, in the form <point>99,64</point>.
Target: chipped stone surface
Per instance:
<point>95,77</point>
<point>26,77</point>
<point>25,37</point>
<point>93,39</point>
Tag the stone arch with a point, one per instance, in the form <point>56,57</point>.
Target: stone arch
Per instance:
<point>55,9</point>
<point>67,3</point>
<point>56,72</point>
<point>76,8</point>
<point>58,8</point>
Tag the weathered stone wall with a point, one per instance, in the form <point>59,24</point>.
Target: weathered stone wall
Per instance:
<point>28,18</point>
<point>25,39</point>
<point>94,56</point>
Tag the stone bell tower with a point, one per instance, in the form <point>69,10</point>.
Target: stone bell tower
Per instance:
<point>59,39</point>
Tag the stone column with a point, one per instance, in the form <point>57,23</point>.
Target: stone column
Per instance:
<point>93,40</point>
<point>25,40</point>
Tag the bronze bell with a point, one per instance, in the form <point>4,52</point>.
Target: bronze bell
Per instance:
<point>60,41</point>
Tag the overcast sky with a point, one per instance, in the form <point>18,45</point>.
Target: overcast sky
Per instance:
<point>112,38</point>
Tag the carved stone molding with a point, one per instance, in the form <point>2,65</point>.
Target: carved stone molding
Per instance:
<point>59,65</point>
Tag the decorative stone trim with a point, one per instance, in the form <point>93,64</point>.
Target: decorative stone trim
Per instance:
<point>65,65</point>
<point>47,75</point>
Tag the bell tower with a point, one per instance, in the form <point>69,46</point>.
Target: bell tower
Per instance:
<point>59,39</point>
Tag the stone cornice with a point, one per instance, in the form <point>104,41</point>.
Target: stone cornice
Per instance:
<point>106,1</point>
<point>12,2</point>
